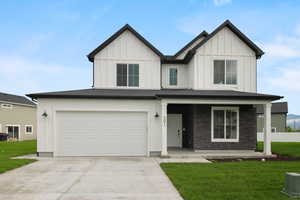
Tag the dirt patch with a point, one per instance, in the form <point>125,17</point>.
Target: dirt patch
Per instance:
<point>277,158</point>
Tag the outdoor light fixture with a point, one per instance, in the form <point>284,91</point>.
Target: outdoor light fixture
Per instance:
<point>156,115</point>
<point>45,114</point>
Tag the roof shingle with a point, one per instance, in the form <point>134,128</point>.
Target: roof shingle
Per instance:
<point>4,97</point>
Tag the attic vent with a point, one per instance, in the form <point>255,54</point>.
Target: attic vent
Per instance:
<point>6,106</point>
<point>292,185</point>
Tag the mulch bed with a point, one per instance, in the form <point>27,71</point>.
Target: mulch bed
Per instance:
<point>278,157</point>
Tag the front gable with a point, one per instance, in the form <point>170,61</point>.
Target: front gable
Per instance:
<point>126,42</point>
<point>127,46</point>
<point>228,39</point>
<point>225,42</point>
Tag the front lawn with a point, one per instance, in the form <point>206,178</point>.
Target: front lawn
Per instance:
<point>13,149</point>
<point>248,180</point>
<point>284,148</point>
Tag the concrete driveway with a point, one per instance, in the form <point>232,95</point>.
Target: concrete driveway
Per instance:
<point>88,178</point>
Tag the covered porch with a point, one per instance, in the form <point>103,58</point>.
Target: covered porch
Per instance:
<point>194,127</point>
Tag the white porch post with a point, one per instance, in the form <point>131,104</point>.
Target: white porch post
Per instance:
<point>267,129</point>
<point>164,147</point>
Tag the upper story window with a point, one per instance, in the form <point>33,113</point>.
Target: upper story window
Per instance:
<point>7,106</point>
<point>172,76</point>
<point>28,129</point>
<point>128,75</point>
<point>225,72</point>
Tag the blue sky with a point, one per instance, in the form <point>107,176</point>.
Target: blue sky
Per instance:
<point>44,43</point>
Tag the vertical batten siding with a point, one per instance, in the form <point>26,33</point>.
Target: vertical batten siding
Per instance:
<point>182,75</point>
<point>225,45</point>
<point>127,49</point>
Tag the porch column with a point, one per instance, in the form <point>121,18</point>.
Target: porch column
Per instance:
<point>164,147</point>
<point>267,129</point>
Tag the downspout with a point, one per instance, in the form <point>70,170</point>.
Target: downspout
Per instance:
<point>161,74</point>
<point>93,75</point>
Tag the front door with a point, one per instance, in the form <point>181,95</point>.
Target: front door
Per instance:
<point>174,130</point>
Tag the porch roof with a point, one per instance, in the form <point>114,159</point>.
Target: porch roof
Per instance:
<point>94,93</point>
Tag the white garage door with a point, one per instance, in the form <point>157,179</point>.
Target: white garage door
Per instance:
<point>101,133</point>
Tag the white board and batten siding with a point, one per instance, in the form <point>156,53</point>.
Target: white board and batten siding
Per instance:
<point>68,123</point>
<point>225,45</point>
<point>127,49</point>
<point>182,76</point>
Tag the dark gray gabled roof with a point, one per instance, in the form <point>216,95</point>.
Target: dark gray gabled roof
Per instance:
<point>10,98</point>
<point>116,35</point>
<point>173,59</point>
<point>191,52</point>
<point>278,107</point>
<point>154,94</point>
<point>202,34</point>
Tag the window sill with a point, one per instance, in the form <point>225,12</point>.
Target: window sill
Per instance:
<point>28,133</point>
<point>223,140</point>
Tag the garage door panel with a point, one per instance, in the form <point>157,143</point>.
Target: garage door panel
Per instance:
<point>101,133</point>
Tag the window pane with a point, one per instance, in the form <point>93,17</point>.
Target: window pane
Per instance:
<point>219,124</point>
<point>231,124</point>
<point>133,76</point>
<point>219,71</point>
<point>231,71</point>
<point>121,75</point>
<point>173,76</point>
<point>28,129</point>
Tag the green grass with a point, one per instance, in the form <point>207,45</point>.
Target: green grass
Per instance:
<point>13,149</point>
<point>250,180</point>
<point>283,148</point>
<point>247,180</point>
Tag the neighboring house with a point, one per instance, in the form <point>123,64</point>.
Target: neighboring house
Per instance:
<point>17,117</point>
<point>143,102</point>
<point>278,117</point>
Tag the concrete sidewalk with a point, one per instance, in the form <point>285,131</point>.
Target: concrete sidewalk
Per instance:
<point>89,179</point>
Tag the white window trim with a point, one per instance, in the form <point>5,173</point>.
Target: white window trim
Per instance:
<point>28,133</point>
<point>18,125</point>
<point>169,77</point>
<point>9,106</point>
<point>127,68</point>
<point>212,124</point>
<point>0,128</point>
<point>225,84</point>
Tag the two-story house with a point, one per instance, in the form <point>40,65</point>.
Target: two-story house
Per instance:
<point>17,117</point>
<point>143,102</point>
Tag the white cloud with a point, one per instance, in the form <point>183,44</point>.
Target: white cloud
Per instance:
<point>221,2</point>
<point>281,50</point>
<point>284,46</point>
<point>288,78</point>
<point>20,75</point>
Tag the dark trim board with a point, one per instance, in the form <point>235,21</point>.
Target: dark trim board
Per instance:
<point>155,94</point>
